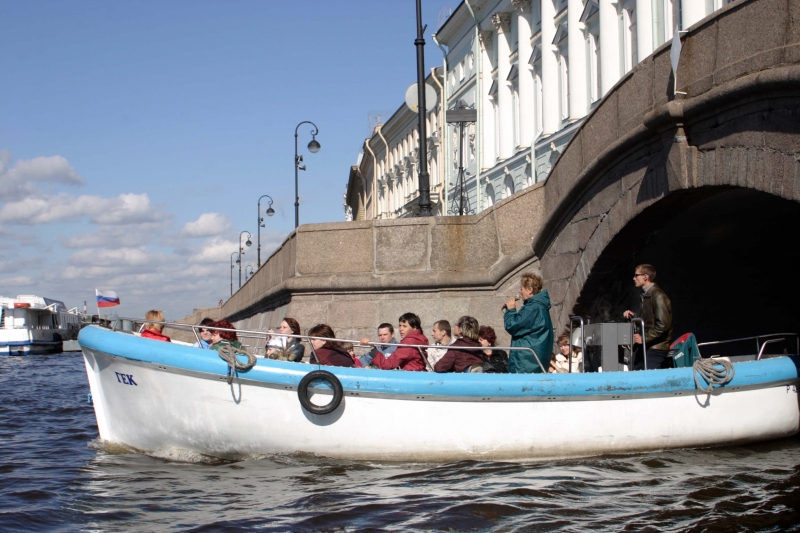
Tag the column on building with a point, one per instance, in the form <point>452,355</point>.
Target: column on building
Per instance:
<point>550,121</point>
<point>487,65</point>
<point>578,99</point>
<point>502,23</point>
<point>644,28</point>
<point>526,113</point>
<point>609,45</point>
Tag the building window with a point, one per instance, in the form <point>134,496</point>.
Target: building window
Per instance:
<point>515,110</point>
<point>496,112</point>
<point>563,82</point>
<point>489,195</point>
<point>537,100</point>
<point>536,17</point>
<point>662,22</point>
<point>627,35</point>
<point>509,183</point>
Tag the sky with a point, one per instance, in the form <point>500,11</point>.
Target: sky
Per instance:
<point>137,137</point>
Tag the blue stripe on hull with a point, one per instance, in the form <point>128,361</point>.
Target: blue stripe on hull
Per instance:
<point>428,384</point>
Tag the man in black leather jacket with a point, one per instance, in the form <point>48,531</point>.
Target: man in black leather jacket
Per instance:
<point>657,315</point>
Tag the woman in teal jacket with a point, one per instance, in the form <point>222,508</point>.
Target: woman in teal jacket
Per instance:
<point>529,327</point>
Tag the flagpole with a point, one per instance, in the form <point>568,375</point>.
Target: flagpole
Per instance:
<point>97,302</point>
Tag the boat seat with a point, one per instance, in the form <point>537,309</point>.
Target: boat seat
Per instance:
<point>684,351</point>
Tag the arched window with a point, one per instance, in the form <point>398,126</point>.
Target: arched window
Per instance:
<point>509,183</point>
<point>489,195</point>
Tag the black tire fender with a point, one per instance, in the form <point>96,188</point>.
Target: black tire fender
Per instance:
<point>302,392</point>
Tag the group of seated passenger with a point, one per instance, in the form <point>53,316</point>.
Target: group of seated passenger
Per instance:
<point>460,347</point>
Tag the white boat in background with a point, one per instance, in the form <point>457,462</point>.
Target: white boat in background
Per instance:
<point>32,325</point>
<point>157,397</point>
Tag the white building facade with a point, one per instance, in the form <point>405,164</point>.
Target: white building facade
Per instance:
<point>533,70</point>
<point>384,181</point>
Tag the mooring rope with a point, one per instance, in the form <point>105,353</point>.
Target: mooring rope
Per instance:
<point>709,371</point>
<point>229,353</point>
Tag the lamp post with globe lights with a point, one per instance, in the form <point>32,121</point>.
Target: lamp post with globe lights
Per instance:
<point>237,262</point>
<point>313,147</point>
<point>270,212</point>
<point>241,253</point>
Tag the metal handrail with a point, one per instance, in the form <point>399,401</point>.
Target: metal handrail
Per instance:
<point>761,351</point>
<point>259,334</point>
<point>572,319</point>
<point>759,346</point>
<point>644,345</point>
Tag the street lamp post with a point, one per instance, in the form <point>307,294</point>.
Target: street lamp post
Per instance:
<point>246,275</point>
<point>313,147</point>
<point>238,258</point>
<point>424,177</point>
<point>241,253</point>
<point>270,212</point>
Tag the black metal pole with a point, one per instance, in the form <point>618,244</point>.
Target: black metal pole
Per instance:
<point>260,219</point>
<point>297,159</point>
<point>234,253</point>
<point>296,187</point>
<point>424,177</point>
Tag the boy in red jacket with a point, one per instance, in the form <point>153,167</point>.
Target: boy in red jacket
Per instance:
<point>406,357</point>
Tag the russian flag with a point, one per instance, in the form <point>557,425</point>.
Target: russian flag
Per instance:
<point>106,298</point>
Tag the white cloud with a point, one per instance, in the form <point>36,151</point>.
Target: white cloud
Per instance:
<point>19,181</point>
<point>127,208</point>
<point>207,225</point>
<point>131,236</point>
<point>19,281</point>
<point>215,250</point>
<point>120,257</point>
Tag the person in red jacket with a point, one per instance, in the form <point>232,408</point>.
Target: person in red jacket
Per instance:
<point>406,357</point>
<point>329,353</point>
<point>153,331</point>
<point>456,360</point>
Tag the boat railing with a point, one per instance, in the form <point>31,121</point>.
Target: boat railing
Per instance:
<point>759,345</point>
<point>244,333</point>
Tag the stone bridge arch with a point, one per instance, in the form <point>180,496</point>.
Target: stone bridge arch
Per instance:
<point>650,177</point>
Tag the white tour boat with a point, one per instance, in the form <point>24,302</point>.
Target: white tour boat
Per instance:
<point>32,325</point>
<point>155,397</point>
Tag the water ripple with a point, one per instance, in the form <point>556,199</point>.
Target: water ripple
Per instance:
<point>56,475</point>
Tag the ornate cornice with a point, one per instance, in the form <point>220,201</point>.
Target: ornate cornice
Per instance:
<point>502,22</point>
<point>523,6</point>
<point>487,39</point>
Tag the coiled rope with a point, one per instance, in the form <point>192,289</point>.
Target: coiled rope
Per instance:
<point>229,353</point>
<point>709,371</point>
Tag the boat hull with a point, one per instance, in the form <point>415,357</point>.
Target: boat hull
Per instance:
<point>151,405</point>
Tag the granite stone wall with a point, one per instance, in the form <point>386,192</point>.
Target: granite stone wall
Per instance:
<point>356,275</point>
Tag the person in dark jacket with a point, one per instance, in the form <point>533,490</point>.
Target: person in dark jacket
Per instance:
<point>496,360</point>
<point>222,338</point>
<point>656,311</point>
<point>328,352</point>
<point>406,357</point>
<point>457,359</point>
<point>530,326</point>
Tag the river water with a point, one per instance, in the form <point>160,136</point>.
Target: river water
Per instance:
<point>55,476</point>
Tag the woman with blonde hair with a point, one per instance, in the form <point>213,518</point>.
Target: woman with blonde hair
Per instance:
<point>153,331</point>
